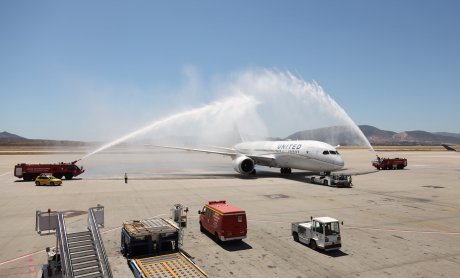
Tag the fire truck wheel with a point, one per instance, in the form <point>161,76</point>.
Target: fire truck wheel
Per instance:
<point>201,228</point>
<point>68,177</point>
<point>313,244</point>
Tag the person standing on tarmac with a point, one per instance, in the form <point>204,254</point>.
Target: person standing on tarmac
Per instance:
<point>126,178</point>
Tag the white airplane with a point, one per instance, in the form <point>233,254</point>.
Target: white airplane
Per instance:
<point>303,155</point>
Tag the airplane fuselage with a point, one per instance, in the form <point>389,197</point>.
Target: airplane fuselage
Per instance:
<point>304,155</point>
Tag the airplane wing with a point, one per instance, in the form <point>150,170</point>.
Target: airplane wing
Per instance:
<point>229,153</point>
<point>266,160</point>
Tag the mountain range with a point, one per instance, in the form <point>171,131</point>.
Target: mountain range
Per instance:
<point>343,135</point>
<point>10,139</point>
<point>335,135</point>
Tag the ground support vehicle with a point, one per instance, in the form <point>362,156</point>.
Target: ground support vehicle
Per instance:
<point>389,163</point>
<point>152,247</point>
<point>76,254</point>
<point>149,237</point>
<point>318,233</point>
<point>175,264</point>
<point>44,179</point>
<point>224,221</point>
<point>334,180</point>
<point>29,172</point>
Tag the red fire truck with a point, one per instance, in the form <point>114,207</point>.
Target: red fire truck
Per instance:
<point>223,221</point>
<point>389,163</point>
<point>30,171</point>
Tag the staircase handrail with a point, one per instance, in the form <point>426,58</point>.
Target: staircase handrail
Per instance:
<point>64,246</point>
<point>100,250</point>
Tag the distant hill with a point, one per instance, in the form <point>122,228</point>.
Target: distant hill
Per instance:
<point>448,134</point>
<point>341,135</point>
<point>9,139</point>
<point>336,135</point>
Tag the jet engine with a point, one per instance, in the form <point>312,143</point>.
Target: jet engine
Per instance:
<point>243,165</point>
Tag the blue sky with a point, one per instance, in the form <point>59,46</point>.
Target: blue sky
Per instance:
<point>82,70</point>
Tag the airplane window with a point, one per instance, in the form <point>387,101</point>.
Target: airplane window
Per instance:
<point>325,152</point>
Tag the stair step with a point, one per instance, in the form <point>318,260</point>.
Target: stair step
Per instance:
<point>80,243</point>
<point>82,254</point>
<point>71,235</point>
<point>84,259</point>
<point>90,263</point>
<point>79,236</point>
<point>81,248</point>
<point>88,270</point>
<point>90,275</point>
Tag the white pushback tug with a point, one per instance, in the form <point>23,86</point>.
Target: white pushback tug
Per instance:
<point>318,233</point>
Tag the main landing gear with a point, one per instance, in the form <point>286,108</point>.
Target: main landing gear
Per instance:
<point>286,170</point>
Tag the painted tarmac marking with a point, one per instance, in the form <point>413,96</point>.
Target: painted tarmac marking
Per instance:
<point>403,231</point>
<point>374,229</point>
<point>6,173</point>
<point>22,257</point>
<point>38,252</point>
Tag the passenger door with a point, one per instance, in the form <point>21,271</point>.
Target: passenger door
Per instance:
<point>318,233</point>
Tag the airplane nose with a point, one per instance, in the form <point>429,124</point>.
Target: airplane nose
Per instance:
<point>340,161</point>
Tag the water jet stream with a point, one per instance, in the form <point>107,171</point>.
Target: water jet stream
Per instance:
<point>262,100</point>
<point>227,106</point>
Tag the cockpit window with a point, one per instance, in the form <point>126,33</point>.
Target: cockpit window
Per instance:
<point>332,152</point>
<point>326,152</point>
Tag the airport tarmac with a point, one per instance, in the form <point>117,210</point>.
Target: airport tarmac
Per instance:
<point>402,223</point>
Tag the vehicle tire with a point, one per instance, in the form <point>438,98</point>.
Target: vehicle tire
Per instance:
<point>37,183</point>
<point>312,180</point>
<point>325,182</point>
<point>295,236</point>
<point>68,177</point>
<point>202,228</point>
<point>313,244</point>
<point>52,183</point>
<point>216,235</point>
<point>57,175</point>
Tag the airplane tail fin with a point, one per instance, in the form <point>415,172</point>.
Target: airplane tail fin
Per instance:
<point>449,148</point>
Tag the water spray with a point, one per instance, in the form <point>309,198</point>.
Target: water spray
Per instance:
<point>261,100</point>
<point>230,105</point>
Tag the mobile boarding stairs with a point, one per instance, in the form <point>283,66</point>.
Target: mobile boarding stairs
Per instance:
<point>76,255</point>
